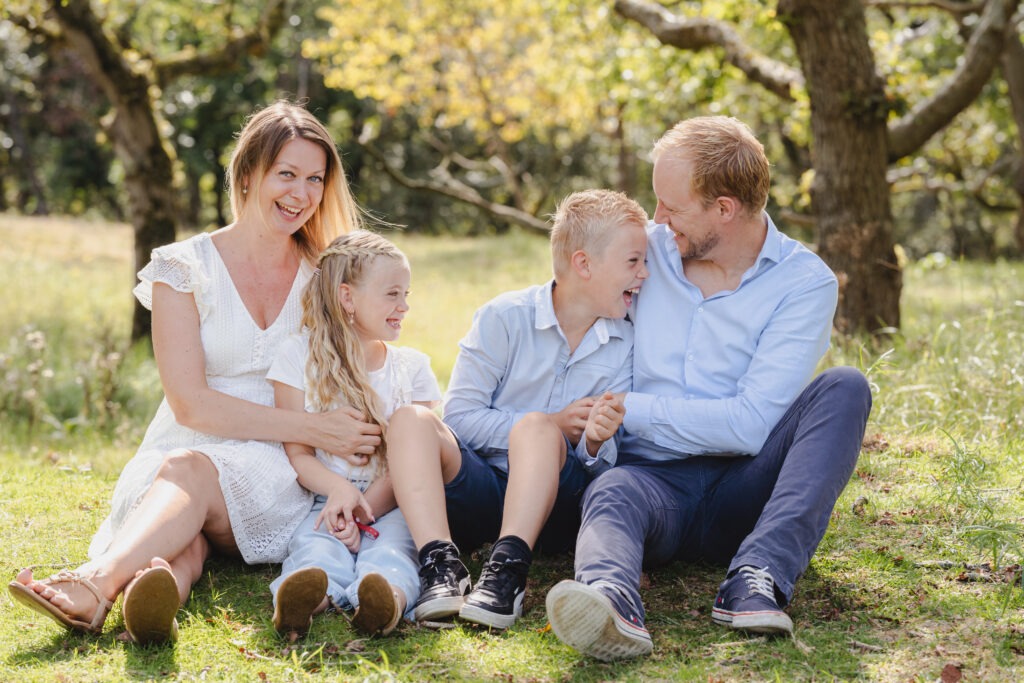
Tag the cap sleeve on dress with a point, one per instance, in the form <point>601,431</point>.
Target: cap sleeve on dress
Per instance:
<point>179,266</point>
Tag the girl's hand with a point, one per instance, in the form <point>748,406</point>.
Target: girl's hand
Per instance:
<point>350,536</point>
<point>346,433</point>
<point>605,418</point>
<point>572,419</point>
<point>344,503</point>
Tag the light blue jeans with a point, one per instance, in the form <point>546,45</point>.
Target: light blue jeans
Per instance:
<point>392,554</point>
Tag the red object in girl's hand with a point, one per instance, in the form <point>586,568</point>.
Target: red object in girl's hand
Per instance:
<point>367,529</point>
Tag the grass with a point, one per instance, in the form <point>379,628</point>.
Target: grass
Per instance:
<point>918,574</point>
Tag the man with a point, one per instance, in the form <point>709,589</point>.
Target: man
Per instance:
<point>729,454</point>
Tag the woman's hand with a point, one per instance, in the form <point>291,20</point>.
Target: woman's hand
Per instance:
<point>345,432</point>
<point>344,503</point>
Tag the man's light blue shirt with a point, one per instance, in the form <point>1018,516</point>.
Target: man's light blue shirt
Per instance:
<point>515,360</point>
<point>714,375</point>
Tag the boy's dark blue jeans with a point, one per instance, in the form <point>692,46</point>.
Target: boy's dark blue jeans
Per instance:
<point>770,510</point>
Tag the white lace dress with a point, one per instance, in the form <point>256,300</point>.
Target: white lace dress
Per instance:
<point>264,499</point>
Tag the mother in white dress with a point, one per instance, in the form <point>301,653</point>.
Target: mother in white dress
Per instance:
<point>211,473</point>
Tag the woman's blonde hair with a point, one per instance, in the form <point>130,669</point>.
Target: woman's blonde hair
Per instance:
<point>265,134</point>
<point>336,370</point>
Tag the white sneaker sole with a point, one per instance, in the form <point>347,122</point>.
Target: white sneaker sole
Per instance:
<point>479,615</point>
<point>755,622</point>
<point>583,618</point>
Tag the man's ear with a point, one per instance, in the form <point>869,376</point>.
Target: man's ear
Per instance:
<point>580,262</point>
<point>727,207</point>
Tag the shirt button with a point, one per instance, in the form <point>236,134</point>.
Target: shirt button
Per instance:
<point>700,309</point>
<point>689,357</point>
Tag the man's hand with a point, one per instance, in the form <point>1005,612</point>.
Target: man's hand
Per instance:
<point>604,420</point>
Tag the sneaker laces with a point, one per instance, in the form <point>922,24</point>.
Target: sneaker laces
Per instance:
<point>497,575</point>
<point>759,581</point>
<point>434,566</point>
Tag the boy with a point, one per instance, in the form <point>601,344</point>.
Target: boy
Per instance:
<point>545,359</point>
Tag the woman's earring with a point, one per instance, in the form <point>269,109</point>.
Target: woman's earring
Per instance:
<point>245,190</point>
<point>351,318</point>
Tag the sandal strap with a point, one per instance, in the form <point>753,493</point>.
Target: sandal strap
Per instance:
<point>102,604</point>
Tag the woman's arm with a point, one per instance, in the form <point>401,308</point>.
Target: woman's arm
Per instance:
<point>181,361</point>
<point>345,503</point>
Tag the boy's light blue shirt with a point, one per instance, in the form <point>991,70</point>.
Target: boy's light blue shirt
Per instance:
<point>515,360</point>
<point>714,375</point>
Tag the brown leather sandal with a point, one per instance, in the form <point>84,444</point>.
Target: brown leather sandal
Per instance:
<point>150,604</point>
<point>35,601</point>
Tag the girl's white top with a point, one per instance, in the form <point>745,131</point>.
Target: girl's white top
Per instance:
<point>405,377</point>
<point>264,500</point>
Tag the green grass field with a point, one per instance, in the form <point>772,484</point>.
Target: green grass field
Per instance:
<point>917,578</point>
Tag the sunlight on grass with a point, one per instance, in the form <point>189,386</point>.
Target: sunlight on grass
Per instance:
<point>919,569</point>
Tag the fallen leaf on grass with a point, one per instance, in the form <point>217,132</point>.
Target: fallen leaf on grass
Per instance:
<point>951,674</point>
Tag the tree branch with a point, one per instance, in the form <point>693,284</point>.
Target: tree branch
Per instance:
<point>255,42</point>
<point>444,183</point>
<point>699,33</point>
<point>956,8</point>
<point>910,132</point>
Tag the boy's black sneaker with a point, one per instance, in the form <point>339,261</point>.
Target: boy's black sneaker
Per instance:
<point>497,600</point>
<point>444,582</point>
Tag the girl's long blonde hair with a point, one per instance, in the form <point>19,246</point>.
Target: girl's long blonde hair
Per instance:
<point>336,370</point>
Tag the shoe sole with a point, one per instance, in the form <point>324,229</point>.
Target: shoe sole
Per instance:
<point>150,607</point>
<point>298,596</point>
<point>377,612</point>
<point>767,622</point>
<point>439,608</point>
<point>585,620</point>
<point>484,617</point>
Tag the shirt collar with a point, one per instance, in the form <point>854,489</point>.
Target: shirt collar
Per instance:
<point>544,316</point>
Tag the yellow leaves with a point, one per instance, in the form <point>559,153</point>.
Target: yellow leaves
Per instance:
<point>490,66</point>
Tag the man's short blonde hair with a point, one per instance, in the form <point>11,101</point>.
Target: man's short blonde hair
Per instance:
<point>728,161</point>
<point>585,221</point>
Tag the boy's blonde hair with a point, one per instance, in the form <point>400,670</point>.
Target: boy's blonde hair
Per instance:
<point>335,370</point>
<point>585,221</point>
<point>728,161</point>
<point>264,136</point>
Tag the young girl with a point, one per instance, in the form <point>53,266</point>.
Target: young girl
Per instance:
<point>351,308</point>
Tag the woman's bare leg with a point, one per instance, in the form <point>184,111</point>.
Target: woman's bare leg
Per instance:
<point>184,502</point>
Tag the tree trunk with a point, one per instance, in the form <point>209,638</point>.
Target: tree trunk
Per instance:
<point>1013,73</point>
<point>850,194</point>
<point>148,166</point>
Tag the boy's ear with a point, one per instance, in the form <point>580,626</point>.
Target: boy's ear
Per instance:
<point>580,262</point>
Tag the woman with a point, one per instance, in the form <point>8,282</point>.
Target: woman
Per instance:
<point>211,473</point>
